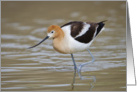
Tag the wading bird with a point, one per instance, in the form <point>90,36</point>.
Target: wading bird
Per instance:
<point>73,37</point>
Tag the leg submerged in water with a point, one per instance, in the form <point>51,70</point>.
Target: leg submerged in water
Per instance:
<point>81,65</point>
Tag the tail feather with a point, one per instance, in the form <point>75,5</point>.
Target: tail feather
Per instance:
<point>102,21</point>
<point>100,26</point>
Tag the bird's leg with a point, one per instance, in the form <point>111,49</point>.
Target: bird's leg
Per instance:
<point>73,80</point>
<point>81,65</point>
<point>75,66</point>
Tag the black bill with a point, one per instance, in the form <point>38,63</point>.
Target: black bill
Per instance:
<point>39,42</point>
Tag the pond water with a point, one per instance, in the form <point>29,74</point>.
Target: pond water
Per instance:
<point>42,68</point>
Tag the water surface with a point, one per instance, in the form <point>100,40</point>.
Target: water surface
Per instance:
<point>42,68</point>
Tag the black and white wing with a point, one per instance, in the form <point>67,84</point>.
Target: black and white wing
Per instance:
<point>84,32</point>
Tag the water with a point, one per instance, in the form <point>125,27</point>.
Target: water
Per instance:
<point>42,68</point>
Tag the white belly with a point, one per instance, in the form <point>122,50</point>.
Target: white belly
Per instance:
<point>75,46</point>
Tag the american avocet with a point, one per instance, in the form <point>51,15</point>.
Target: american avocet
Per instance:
<point>73,37</point>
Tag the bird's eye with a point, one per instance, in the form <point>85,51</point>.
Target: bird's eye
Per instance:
<point>52,31</point>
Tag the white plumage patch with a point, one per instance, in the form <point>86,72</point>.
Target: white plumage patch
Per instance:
<point>95,32</point>
<point>84,30</point>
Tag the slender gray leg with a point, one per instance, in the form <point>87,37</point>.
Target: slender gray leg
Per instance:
<point>75,67</point>
<point>81,65</point>
<point>74,77</point>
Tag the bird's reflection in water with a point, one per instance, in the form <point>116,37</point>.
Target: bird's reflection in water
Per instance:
<point>85,77</point>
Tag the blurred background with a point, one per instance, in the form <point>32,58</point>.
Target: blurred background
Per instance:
<point>24,23</point>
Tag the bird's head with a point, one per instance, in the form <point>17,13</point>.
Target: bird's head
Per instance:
<point>53,31</point>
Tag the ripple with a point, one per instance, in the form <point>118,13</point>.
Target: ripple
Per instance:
<point>19,26</point>
<point>17,37</point>
<point>74,14</point>
<point>9,70</point>
<point>12,45</point>
<point>58,85</point>
<point>13,88</point>
<point>38,30</point>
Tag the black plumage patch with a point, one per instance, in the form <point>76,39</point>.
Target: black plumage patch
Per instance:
<point>100,26</point>
<point>76,27</point>
<point>88,36</point>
